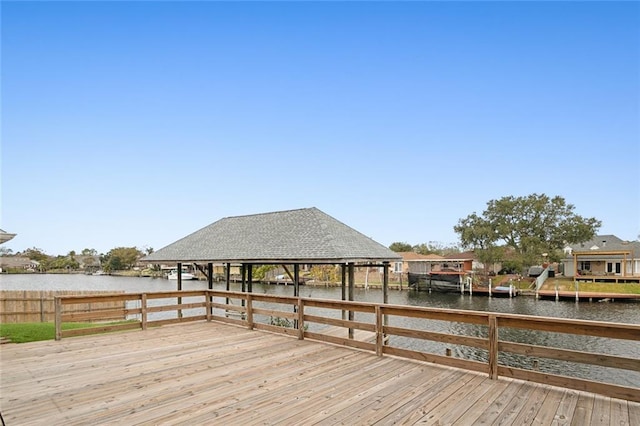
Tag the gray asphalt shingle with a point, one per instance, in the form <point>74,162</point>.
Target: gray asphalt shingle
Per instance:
<point>298,236</point>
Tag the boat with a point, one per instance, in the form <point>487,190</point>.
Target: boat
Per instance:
<point>98,273</point>
<point>173,275</point>
<point>504,290</point>
<point>445,281</point>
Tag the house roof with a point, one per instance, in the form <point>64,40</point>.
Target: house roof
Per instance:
<point>17,262</point>
<point>604,243</point>
<point>466,255</point>
<point>410,256</point>
<point>5,236</point>
<point>293,236</point>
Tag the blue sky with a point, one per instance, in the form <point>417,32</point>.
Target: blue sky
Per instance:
<point>137,123</point>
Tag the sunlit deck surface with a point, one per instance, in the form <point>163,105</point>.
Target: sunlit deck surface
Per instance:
<point>211,373</point>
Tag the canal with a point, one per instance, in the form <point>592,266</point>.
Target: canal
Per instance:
<point>598,311</point>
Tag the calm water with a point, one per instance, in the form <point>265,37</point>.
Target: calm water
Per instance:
<point>613,312</point>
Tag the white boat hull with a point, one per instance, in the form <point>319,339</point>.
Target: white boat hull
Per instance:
<point>185,276</point>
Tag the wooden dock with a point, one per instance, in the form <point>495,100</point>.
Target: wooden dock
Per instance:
<point>584,295</point>
<point>213,373</point>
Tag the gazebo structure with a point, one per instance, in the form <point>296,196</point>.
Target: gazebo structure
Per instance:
<point>293,237</point>
<point>5,236</point>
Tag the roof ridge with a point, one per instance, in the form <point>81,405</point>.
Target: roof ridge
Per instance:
<point>268,213</point>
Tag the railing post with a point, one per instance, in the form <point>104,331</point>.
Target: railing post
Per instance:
<point>208,300</point>
<point>249,311</point>
<point>379,330</point>
<point>179,288</point>
<point>352,284</point>
<point>493,347</point>
<point>58,303</point>
<point>300,319</point>
<point>143,310</point>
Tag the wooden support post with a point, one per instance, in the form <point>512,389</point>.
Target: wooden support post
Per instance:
<point>243,272</point>
<point>379,331</point>
<point>209,307</point>
<point>58,303</point>
<point>296,289</point>
<point>385,288</point>
<point>250,278</point>
<point>210,275</point>
<point>227,274</point>
<point>143,311</point>
<point>296,280</point>
<point>210,298</point>
<point>352,285</point>
<point>300,319</point>
<point>243,277</point>
<point>249,311</point>
<point>493,347</point>
<point>385,282</point>
<point>343,268</point>
<point>179,288</point>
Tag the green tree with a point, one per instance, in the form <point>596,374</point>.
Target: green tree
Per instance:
<point>422,248</point>
<point>36,254</point>
<point>260,272</point>
<point>400,247</point>
<point>435,247</point>
<point>89,252</point>
<point>531,225</point>
<point>62,262</point>
<point>121,258</point>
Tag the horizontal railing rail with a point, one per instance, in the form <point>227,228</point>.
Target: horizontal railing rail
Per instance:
<point>380,324</point>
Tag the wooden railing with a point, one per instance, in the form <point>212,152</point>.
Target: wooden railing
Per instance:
<point>296,316</point>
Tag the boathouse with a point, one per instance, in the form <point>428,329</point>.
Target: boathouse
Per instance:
<point>289,238</point>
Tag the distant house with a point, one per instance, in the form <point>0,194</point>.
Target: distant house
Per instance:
<point>601,257</point>
<point>18,262</point>
<point>417,263</point>
<point>467,261</point>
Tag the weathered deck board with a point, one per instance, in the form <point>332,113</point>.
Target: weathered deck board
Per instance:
<point>213,373</point>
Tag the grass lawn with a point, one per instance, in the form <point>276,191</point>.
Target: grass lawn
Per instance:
<point>567,284</point>
<point>35,331</point>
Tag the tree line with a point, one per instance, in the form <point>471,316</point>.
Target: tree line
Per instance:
<point>518,231</point>
<point>116,259</point>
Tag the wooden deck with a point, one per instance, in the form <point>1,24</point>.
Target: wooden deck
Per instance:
<point>212,373</point>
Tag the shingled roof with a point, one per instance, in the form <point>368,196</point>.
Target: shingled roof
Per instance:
<point>293,236</point>
<point>5,236</point>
